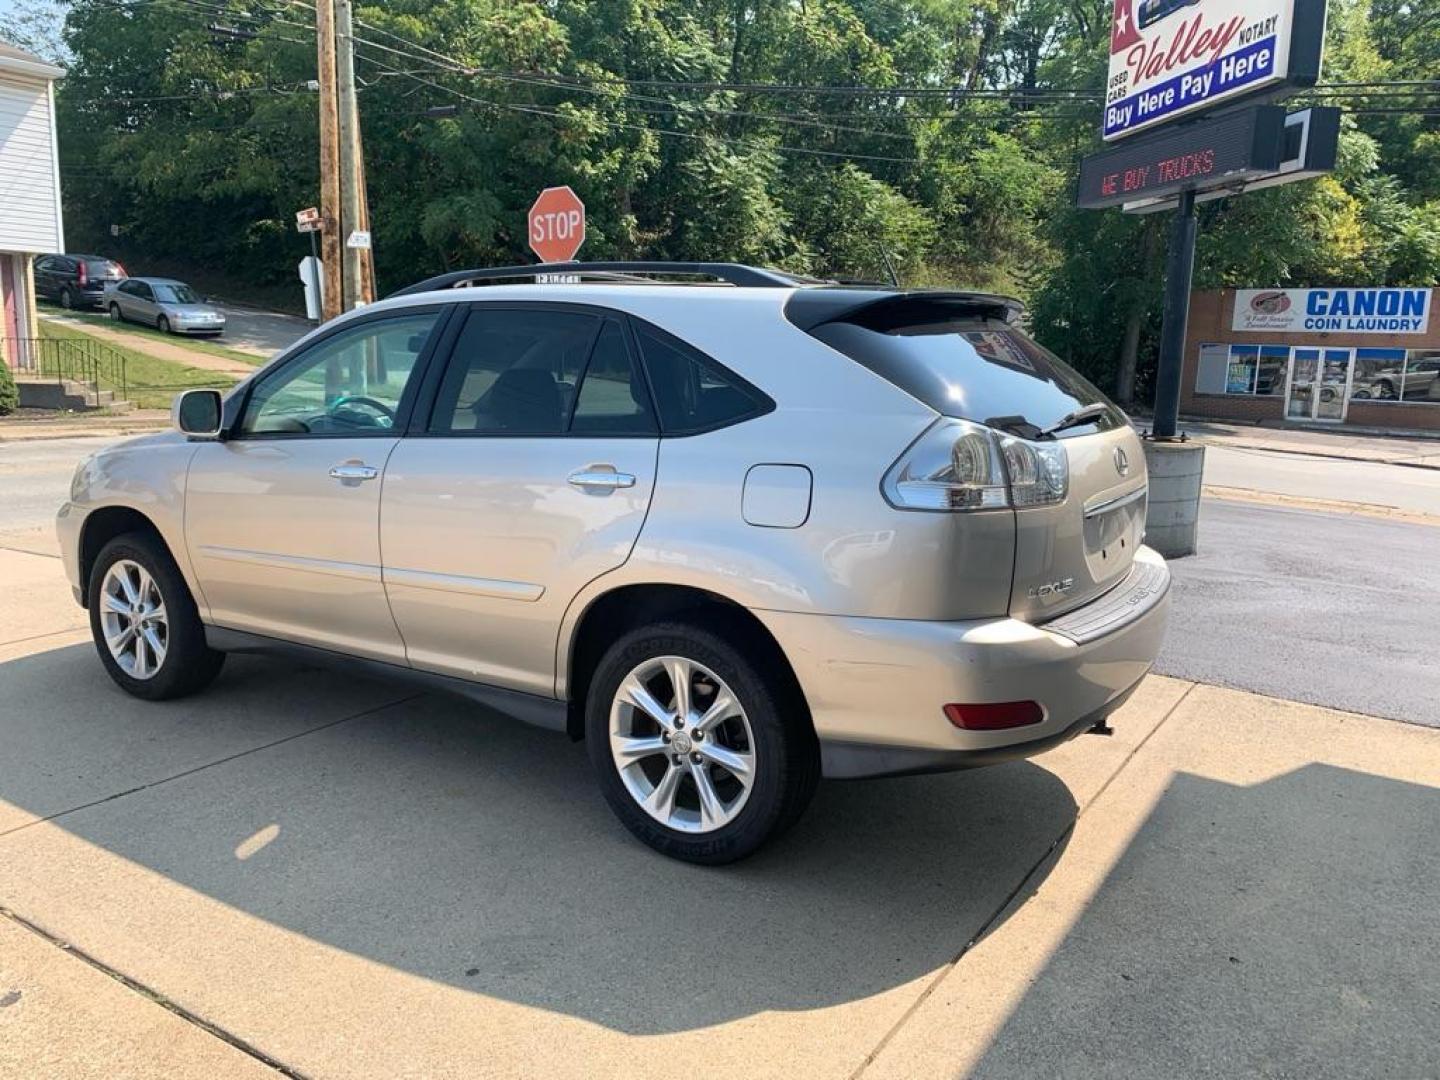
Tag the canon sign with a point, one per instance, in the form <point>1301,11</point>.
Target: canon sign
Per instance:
<point>1353,311</point>
<point>1169,58</point>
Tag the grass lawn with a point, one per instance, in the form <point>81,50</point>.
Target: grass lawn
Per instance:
<point>149,382</point>
<point>197,344</point>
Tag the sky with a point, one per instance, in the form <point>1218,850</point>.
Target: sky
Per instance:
<point>49,14</point>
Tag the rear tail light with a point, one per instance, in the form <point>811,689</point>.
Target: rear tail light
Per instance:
<point>120,270</point>
<point>84,278</point>
<point>995,716</point>
<point>959,465</point>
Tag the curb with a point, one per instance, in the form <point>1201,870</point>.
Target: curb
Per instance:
<point>1328,506</point>
<point>1226,444</point>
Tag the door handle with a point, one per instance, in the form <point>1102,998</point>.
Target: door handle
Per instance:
<point>601,478</point>
<point>353,470</point>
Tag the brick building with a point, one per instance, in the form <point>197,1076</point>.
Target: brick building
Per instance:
<point>1363,357</point>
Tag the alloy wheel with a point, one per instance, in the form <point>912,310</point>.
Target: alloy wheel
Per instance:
<point>133,618</point>
<point>682,744</point>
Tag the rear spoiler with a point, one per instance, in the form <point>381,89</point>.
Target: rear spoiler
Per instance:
<point>885,309</point>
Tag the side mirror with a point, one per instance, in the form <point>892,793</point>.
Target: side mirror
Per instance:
<point>197,413</point>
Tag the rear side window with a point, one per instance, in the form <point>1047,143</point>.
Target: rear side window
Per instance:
<point>969,367</point>
<point>613,399</point>
<point>514,372</point>
<point>692,392</point>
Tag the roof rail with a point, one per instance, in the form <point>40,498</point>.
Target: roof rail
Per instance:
<point>613,272</point>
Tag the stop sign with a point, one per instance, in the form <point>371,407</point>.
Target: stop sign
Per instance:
<point>557,225</point>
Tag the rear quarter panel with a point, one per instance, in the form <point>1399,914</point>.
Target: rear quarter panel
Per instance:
<point>854,554</point>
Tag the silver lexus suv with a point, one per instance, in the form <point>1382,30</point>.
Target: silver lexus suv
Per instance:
<point>736,535</point>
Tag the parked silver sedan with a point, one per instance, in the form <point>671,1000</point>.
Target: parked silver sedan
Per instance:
<point>171,306</point>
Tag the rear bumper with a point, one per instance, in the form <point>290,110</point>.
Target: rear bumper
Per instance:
<point>876,687</point>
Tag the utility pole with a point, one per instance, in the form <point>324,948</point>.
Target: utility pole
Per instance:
<point>352,217</point>
<point>331,217</point>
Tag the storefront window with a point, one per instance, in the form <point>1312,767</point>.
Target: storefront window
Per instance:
<point>1422,376</point>
<point>1379,374</point>
<point>1242,369</point>
<point>1270,374</point>
<point>1240,374</point>
<point>1395,375</point>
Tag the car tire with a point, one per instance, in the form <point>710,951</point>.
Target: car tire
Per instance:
<point>67,300</point>
<point>115,315</point>
<point>135,571</point>
<point>162,324</point>
<point>768,733</point>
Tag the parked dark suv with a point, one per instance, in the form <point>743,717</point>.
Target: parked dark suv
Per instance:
<point>75,281</point>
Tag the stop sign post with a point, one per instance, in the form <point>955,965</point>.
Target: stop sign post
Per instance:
<point>557,225</point>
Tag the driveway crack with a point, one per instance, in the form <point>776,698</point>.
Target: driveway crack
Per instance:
<point>153,995</point>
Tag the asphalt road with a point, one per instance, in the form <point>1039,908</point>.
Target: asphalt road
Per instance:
<point>35,479</point>
<point>1330,609</point>
<point>261,331</point>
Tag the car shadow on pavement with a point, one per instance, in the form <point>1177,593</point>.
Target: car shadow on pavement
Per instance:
<point>446,841</point>
<point>1279,929</point>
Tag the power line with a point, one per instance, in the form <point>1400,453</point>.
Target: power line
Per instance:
<point>644,128</point>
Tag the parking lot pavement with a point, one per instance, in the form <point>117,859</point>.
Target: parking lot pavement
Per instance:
<point>1241,902</point>
<point>353,880</point>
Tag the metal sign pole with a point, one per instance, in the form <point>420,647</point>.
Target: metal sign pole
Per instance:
<point>1179,271</point>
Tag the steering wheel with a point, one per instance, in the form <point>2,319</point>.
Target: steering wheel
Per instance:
<point>359,399</point>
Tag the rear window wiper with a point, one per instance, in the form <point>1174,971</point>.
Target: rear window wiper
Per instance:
<point>1083,415</point>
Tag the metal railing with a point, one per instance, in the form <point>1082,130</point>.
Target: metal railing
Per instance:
<point>83,361</point>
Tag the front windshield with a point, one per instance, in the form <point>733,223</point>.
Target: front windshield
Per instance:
<point>176,294</point>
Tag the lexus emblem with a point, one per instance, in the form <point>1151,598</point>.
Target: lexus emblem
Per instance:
<point>1122,461</point>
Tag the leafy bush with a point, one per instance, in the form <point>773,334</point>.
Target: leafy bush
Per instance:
<point>9,395</point>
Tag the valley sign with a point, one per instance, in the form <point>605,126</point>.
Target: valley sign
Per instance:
<point>1170,58</point>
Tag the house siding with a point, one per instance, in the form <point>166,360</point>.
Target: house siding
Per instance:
<point>29,201</point>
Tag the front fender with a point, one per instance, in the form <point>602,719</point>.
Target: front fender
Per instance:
<point>146,475</point>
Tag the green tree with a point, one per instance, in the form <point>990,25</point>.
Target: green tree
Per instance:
<point>9,393</point>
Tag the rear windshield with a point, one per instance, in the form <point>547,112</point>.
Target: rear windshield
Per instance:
<point>98,268</point>
<point>978,369</point>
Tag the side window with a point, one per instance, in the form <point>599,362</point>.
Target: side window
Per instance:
<point>613,399</point>
<point>349,384</point>
<point>143,291</point>
<point>692,392</point>
<point>514,372</point>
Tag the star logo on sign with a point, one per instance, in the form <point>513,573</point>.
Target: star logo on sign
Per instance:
<point>1123,34</point>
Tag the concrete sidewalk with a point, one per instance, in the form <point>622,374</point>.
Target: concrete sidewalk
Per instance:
<point>307,873</point>
<point>1414,452</point>
<point>82,425</point>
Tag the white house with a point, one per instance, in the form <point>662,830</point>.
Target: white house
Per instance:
<point>29,191</point>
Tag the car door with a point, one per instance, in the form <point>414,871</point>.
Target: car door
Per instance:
<point>120,297</point>
<point>528,475</point>
<point>139,303</point>
<point>282,516</point>
<point>45,276</point>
